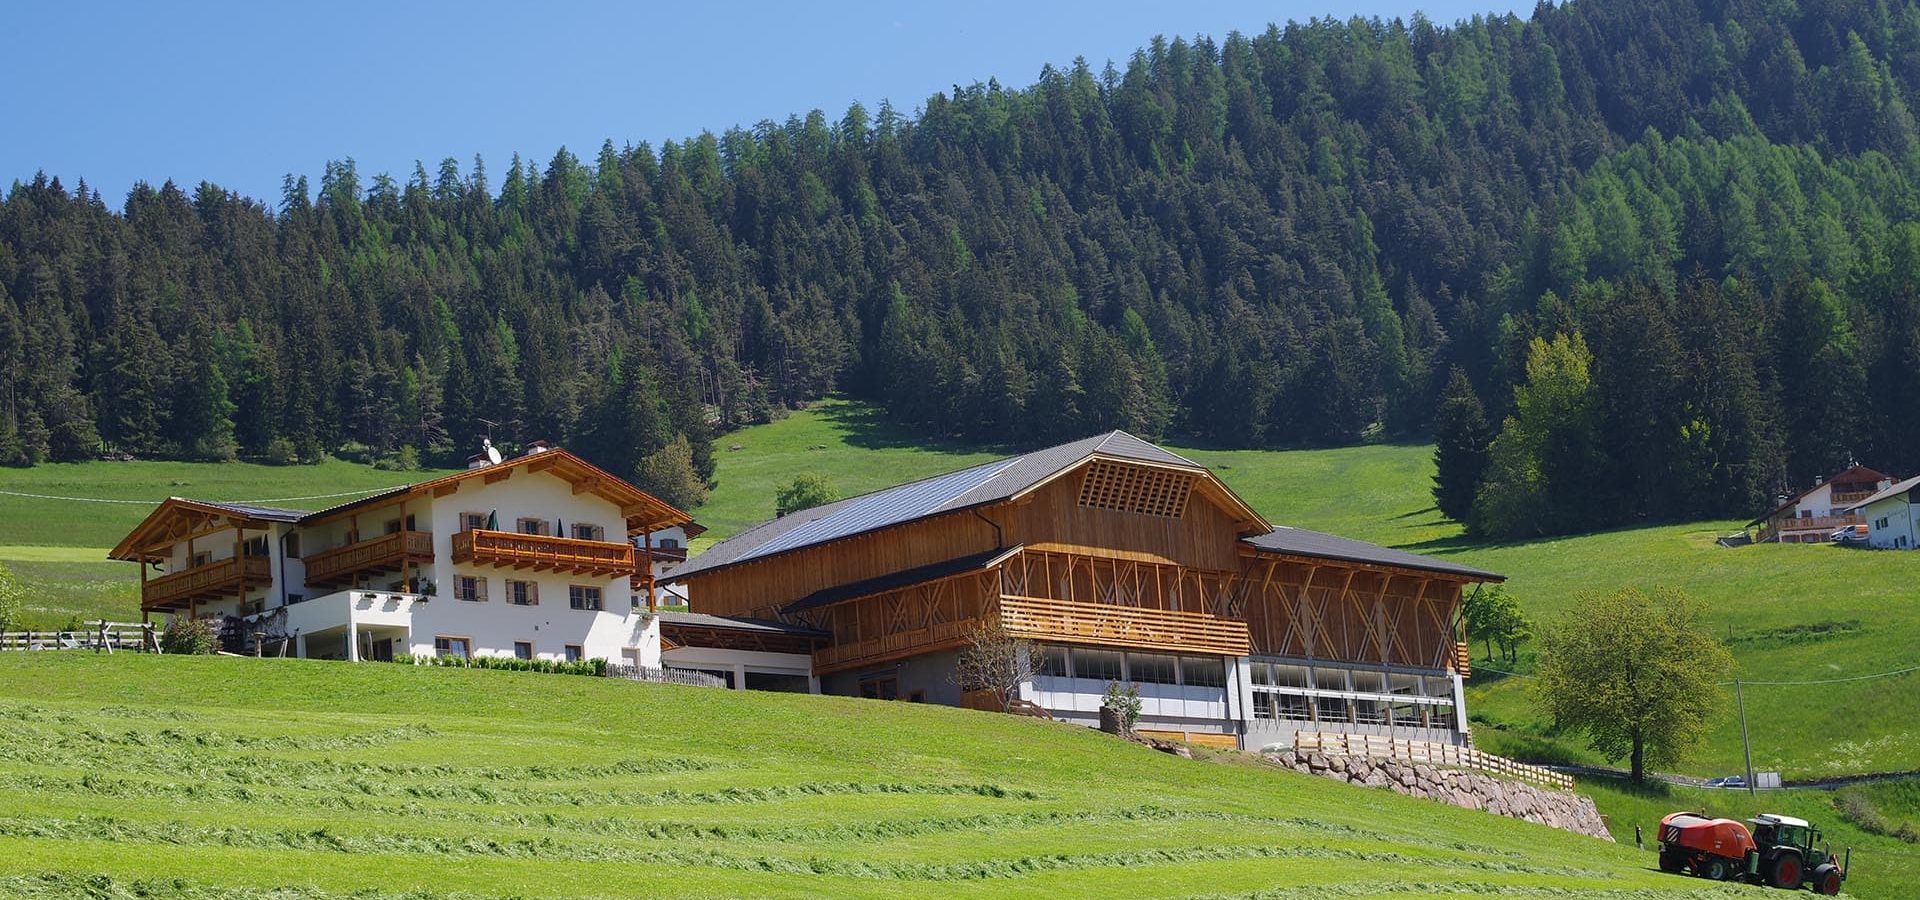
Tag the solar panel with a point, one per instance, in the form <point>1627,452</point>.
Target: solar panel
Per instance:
<point>885,508</point>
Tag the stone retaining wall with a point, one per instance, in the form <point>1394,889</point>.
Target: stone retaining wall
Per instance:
<point>1465,789</point>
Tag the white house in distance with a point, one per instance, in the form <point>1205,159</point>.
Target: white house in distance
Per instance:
<point>1812,515</point>
<point>543,556</point>
<point>1889,515</point>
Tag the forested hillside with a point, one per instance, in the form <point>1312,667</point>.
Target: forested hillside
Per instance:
<point>1274,240</point>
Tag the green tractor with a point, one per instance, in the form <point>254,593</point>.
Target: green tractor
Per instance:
<point>1787,854</point>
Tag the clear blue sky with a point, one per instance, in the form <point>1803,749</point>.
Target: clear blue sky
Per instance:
<point>243,93</point>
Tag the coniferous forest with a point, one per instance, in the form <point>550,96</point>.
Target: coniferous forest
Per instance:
<point>1629,260</point>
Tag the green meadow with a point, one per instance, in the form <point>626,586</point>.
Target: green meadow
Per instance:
<point>204,776</point>
<point>1790,613</point>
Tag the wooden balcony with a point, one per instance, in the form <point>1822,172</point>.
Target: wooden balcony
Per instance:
<point>1840,497</point>
<point>1122,626</point>
<point>1808,523</point>
<point>665,554</point>
<point>540,553</point>
<point>387,553</point>
<point>225,579</point>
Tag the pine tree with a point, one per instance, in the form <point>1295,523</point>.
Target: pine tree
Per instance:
<point>1461,437</point>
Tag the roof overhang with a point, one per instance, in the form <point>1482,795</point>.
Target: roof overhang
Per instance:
<point>940,571</point>
<point>177,519</point>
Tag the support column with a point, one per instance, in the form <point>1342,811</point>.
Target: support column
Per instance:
<point>740,676</point>
<point>653,602</point>
<point>813,684</point>
<point>299,645</point>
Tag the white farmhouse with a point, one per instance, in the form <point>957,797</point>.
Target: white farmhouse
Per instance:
<point>1889,515</point>
<point>543,556</point>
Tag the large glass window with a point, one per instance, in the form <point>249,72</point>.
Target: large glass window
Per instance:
<point>1293,707</point>
<point>1369,712</point>
<point>1404,684</point>
<point>1265,705</point>
<point>1053,661</point>
<point>1289,676</point>
<point>1262,673</point>
<point>1203,671</point>
<point>1369,682</point>
<point>1331,709</point>
<point>1151,668</point>
<point>1100,665</point>
<point>1330,679</point>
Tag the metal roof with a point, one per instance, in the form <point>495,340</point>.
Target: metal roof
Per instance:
<point>248,510</point>
<point>738,623</point>
<point>902,578</point>
<point>985,483</point>
<point>1301,542</point>
<point>1903,486</point>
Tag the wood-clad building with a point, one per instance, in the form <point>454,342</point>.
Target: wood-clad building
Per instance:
<point>1125,562</point>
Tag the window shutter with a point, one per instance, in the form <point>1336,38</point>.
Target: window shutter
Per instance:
<point>533,593</point>
<point>479,588</point>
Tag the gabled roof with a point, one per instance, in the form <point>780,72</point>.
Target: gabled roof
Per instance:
<point>992,482</point>
<point>1895,490</point>
<point>1301,542</point>
<point>1871,475</point>
<point>181,516</point>
<point>178,517</point>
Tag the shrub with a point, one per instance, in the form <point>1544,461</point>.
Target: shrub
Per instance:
<point>1125,703</point>
<point>189,635</point>
<point>280,452</point>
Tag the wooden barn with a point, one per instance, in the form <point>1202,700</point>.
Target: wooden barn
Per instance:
<point>1124,562</point>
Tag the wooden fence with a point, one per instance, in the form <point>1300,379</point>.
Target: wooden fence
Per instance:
<point>1333,743</point>
<point>100,636</point>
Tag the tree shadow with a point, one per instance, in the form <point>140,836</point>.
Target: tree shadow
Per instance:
<point>867,427</point>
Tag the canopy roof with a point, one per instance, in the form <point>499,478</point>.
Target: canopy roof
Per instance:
<point>1301,542</point>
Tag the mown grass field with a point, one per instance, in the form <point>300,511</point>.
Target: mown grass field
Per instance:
<point>177,776</point>
<point>59,549</point>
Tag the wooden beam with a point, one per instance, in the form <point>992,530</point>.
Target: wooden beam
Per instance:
<point>543,464</point>
<point>494,477</point>
<point>581,487</point>
<point>446,489</point>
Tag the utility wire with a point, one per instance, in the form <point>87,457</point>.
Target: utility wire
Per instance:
<point>1753,683</point>
<point>154,502</point>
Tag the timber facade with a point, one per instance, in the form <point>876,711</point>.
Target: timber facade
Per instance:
<point>1122,562</point>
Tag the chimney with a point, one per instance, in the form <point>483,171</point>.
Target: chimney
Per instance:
<point>536,447</point>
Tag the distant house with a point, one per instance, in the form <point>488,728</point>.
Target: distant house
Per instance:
<point>543,556</point>
<point>1810,516</point>
<point>1889,515</point>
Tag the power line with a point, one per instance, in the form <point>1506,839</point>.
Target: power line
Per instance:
<point>155,502</point>
<point>1743,681</point>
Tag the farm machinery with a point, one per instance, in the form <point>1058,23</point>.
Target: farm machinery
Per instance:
<point>1781,851</point>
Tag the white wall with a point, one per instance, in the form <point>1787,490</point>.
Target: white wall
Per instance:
<point>617,633</point>
<point>1898,531</point>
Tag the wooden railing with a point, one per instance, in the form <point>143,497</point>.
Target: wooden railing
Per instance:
<point>666,554</point>
<point>101,635</point>
<point>1334,743</point>
<point>1850,496</point>
<point>384,552</point>
<point>1822,522</point>
<point>542,553</point>
<point>212,579</point>
<point>847,655</point>
<point>1122,626</point>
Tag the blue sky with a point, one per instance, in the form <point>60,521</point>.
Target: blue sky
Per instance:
<point>242,93</point>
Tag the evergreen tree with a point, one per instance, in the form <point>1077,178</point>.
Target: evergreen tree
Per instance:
<point>1461,437</point>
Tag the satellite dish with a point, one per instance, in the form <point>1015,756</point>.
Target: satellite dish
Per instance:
<point>493,453</point>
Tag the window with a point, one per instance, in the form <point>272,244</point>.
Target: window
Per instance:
<point>584,532</point>
<point>1147,668</point>
<point>1289,676</point>
<point>391,526</point>
<point>473,521</point>
<point>1203,671</point>
<point>669,544</point>
<point>1368,712</point>
<point>1403,683</point>
<point>531,525</point>
<point>457,647</point>
<point>200,559</point>
<point>1331,709</point>
<point>522,649</point>
<point>256,546</point>
<point>469,587</point>
<point>1265,705</point>
<point>573,653</point>
<point>1101,665</point>
<point>523,593</point>
<point>1053,661</point>
<point>917,697</point>
<point>292,544</point>
<point>884,688</point>
<point>582,597</point>
<point>1369,682</point>
<point>1293,707</point>
<point>295,598</point>
<point>1330,679</point>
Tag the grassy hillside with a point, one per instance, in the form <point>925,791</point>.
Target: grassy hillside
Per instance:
<point>204,776</point>
<point>1790,612</point>
<point>59,548</point>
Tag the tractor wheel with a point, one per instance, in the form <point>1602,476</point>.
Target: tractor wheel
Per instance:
<point>1715,869</point>
<point>1785,872</point>
<point>1826,880</point>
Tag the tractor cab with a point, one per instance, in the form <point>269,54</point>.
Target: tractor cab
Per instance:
<point>1787,854</point>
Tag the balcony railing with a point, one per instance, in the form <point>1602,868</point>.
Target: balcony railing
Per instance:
<point>1122,626</point>
<point>543,554</point>
<point>666,554</point>
<point>1850,496</point>
<point>226,578</point>
<point>1811,523</point>
<point>381,554</point>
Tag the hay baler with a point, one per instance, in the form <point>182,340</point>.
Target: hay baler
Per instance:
<point>1781,851</point>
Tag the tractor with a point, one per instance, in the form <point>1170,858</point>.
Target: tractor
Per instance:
<point>1780,851</point>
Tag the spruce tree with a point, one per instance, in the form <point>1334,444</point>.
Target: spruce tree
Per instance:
<point>1461,437</point>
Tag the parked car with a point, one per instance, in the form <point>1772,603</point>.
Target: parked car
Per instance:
<point>1728,781</point>
<point>1850,534</point>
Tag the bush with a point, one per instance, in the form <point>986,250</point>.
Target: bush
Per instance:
<point>190,636</point>
<point>806,491</point>
<point>280,452</point>
<point>1125,703</point>
<point>594,667</point>
<point>406,459</point>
